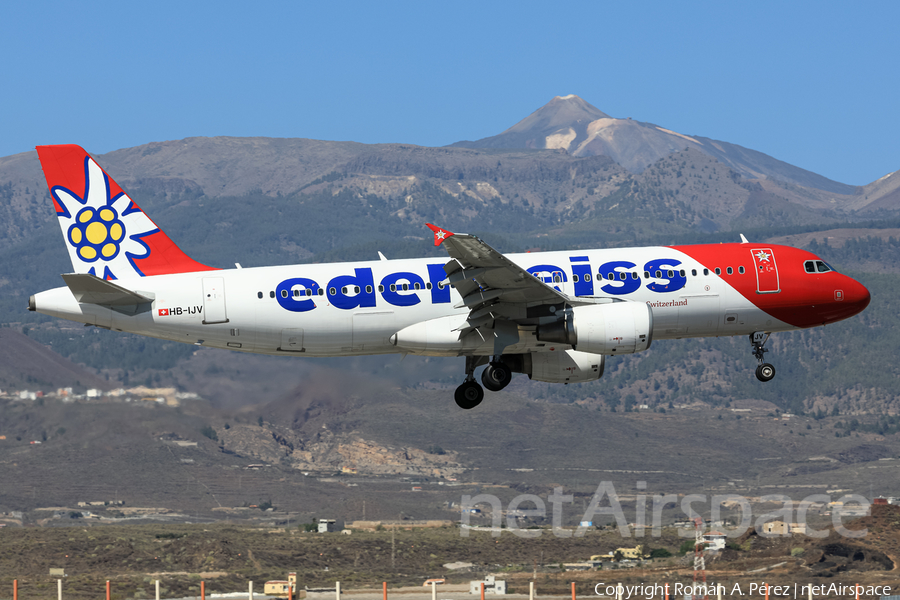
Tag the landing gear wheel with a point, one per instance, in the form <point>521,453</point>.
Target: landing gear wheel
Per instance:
<point>469,395</point>
<point>496,376</point>
<point>765,372</point>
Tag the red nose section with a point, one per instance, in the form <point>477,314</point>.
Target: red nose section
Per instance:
<point>857,297</point>
<point>851,299</point>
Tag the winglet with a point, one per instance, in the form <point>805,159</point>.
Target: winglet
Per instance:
<point>439,234</point>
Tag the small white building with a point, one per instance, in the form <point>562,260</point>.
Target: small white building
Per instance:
<point>715,540</point>
<point>491,586</point>
<point>327,525</point>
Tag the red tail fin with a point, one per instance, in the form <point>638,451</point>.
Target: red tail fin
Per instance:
<point>107,234</point>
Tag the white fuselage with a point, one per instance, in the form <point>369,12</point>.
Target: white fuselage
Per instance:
<point>280,310</point>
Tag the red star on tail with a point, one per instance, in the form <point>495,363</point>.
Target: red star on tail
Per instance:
<point>439,234</point>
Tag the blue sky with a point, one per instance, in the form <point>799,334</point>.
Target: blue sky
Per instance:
<point>811,83</point>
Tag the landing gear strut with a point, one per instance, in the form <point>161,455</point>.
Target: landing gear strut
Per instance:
<point>496,376</point>
<point>765,371</point>
<point>469,394</point>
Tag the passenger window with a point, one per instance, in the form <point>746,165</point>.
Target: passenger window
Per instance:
<point>670,273</point>
<point>343,290</point>
<point>681,272</point>
<point>271,294</point>
<point>694,272</point>
<point>259,294</point>
<point>634,275</point>
<point>440,285</point>
<point>587,277</point>
<point>321,291</point>
<point>393,287</point>
<point>284,294</point>
<point>718,271</point>
<point>705,272</point>
<point>622,276</point>
<point>646,274</point>
<point>610,276</point>
<point>810,266</point>
<point>368,289</point>
<point>428,286</point>
<point>356,289</point>
<point>380,288</point>
<point>659,274</point>
<point>405,287</point>
<point>309,292</point>
<point>296,293</point>
<point>729,270</point>
<point>556,279</point>
<point>333,291</point>
<point>575,278</point>
<point>741,270</point>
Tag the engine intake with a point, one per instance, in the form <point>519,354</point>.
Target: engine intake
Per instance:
<point>616,328</point>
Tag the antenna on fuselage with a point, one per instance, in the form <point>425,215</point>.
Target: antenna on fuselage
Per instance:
<point>744,239</point>
<point>381,256</point>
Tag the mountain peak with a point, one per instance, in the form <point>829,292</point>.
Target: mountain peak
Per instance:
<point>560,112</point>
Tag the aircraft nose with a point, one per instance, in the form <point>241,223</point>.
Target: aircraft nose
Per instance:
<point>856,296</point>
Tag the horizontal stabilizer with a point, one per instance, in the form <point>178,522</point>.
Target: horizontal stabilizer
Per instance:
<point>90,289</point>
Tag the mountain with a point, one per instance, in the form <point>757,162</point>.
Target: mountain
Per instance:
<point>571,124</point>
<point>27,364</point>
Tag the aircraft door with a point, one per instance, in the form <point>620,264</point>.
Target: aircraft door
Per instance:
<point>766,271</point>
<point>214,300</point>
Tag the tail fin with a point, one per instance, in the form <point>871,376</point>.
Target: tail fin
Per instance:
<point>107,234</point>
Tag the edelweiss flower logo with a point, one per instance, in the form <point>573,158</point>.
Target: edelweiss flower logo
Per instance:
<point>104,230</point>
<point>763,256</point>
<point>97,234</point>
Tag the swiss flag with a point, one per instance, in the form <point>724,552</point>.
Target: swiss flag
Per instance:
<point>164,312</point>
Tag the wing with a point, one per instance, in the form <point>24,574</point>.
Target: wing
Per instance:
<point>499,294</point>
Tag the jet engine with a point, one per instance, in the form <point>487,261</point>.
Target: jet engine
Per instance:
<point>615,328</point>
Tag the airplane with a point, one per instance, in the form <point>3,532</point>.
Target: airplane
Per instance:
<point>553,316</point>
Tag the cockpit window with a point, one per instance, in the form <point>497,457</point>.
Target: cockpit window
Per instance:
<point>817,266</point>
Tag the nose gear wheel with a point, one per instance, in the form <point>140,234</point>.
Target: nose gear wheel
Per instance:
<point>765,371</point>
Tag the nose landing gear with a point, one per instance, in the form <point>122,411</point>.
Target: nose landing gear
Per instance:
<point>765,371</point>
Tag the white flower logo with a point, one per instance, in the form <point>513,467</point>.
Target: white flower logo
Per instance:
<point>763,256</point>
<point>100,229</point>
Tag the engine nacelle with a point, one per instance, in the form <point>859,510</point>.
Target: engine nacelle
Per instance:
<point>562,366</point>
<point>615,328</point>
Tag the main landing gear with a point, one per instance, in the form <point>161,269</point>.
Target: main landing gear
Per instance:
<point>765,371</point>
<point>495,377</point>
